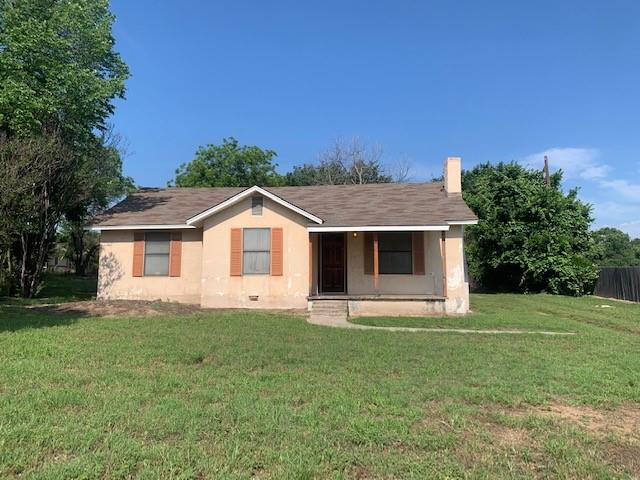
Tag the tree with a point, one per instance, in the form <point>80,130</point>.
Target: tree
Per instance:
<point>345,162</point>
<point>99,182</point>
<point>635,243</point>
<point>58,69</point>
<point>59,75</point>
<point>614,248</point>
<point>228,165</point>
<point>35,189</point>
<point>530,236</point>
<point>81,247</point>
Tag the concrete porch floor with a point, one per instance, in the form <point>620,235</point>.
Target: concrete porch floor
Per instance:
<point>374,297</point>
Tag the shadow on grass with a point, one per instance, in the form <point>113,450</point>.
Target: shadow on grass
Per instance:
<point>58,288</point>
<point>14,318</point>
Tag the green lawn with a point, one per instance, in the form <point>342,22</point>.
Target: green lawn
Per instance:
<point>256,395</point>
<point>528,312</point>
<point>59,288</point>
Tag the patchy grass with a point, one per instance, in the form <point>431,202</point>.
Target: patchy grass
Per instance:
<point>528,312</point>
<point>258,395</point>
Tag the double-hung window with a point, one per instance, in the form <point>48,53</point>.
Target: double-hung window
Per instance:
<point>395,253</point>
<point>156,254</point>
<point>256,251</point>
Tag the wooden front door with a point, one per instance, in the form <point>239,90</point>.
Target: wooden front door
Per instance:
<point>333,268</point>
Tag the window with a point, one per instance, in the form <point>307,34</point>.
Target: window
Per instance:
<point>156,254</point>
<point>256,206</point>
<point>395,252</point>
<point>256,251</point>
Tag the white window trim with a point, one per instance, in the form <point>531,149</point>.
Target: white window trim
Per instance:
<point>246,193</point>
<point>244,251</point>
<point>144,258</point>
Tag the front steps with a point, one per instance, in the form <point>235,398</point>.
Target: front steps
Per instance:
<point>328,312</point>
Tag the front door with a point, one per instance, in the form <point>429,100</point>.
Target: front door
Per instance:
<point>333,254</point>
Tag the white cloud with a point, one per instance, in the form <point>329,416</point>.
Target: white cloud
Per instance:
<point>617,215</point>
<point>632,228</point>
<point>574,162</point>
<point>619,199</point>
<point>630,191</point>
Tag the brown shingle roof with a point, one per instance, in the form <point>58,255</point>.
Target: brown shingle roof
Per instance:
<point>337,205</point>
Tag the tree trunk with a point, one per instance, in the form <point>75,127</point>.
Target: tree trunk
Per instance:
<point>78,246</point>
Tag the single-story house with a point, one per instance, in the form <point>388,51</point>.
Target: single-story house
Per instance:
<point>392,249</point>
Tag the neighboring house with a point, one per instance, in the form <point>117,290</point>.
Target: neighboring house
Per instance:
<point>392,249</point>
<point>58,261</point>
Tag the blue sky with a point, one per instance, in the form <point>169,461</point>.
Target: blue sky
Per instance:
<point>489,81</point>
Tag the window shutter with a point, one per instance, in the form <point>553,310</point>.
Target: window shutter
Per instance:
<point>175,259</point>
<point>276,251</point>
<point>138,254</point>
<point>368,253</point>
<point>417,242</point>
<point>236,252</point>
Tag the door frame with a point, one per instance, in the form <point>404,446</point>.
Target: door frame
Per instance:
<point>320,265</point>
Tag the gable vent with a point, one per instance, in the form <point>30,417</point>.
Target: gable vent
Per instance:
<point>256,206</point>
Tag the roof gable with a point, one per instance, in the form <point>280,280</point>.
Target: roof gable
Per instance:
<point>197,219</point>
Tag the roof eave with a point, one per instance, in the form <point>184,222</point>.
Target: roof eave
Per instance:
<point>99,228</point>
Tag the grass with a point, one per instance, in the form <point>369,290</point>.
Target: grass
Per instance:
<point>59,288</point>
<point>528,312</point>
<point>256,395</point>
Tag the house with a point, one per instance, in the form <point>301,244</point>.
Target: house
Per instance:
<point>385,249</point>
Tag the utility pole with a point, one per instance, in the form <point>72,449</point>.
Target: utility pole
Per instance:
<point>547,178</point>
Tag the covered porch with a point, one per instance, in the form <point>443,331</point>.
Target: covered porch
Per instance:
<point>381,271</point>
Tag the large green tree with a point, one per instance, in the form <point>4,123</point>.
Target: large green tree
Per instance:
<point>59,76</point>
<point>228,165</point>
<point>530,236</point>
<point>614,248</point>
<point>58,67</point>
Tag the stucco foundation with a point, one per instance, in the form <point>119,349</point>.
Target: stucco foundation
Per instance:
<point>396,308</point>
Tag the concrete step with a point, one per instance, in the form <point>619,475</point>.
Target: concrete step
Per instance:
<point>329,311</point>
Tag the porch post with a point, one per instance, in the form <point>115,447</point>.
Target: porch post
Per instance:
<point>375,261</point>
<point>443,251</point>
<point>310,263</point>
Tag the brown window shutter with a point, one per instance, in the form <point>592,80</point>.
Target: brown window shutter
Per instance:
<point>368,253</point>
<point>236,252</point>
<point>417,241</point>
<point>276,251</point>
<point>138,254</point>
<point>175,259</point>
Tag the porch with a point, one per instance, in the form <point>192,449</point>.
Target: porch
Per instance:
<point>389,272</point>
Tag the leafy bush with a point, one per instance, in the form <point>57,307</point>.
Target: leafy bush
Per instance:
<point>530,237</point>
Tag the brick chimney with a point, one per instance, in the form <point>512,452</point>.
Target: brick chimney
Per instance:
<point>452,176</point>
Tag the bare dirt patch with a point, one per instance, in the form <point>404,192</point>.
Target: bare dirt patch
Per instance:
<point>616,430</point>
<point>139,308</point>
<point>117,308</point>
<point>623,421</point>
<point>507,435</point>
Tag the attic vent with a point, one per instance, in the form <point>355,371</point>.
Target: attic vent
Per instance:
<point>256,206</point>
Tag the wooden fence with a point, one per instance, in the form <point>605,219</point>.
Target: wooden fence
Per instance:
<point>619,282</point>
